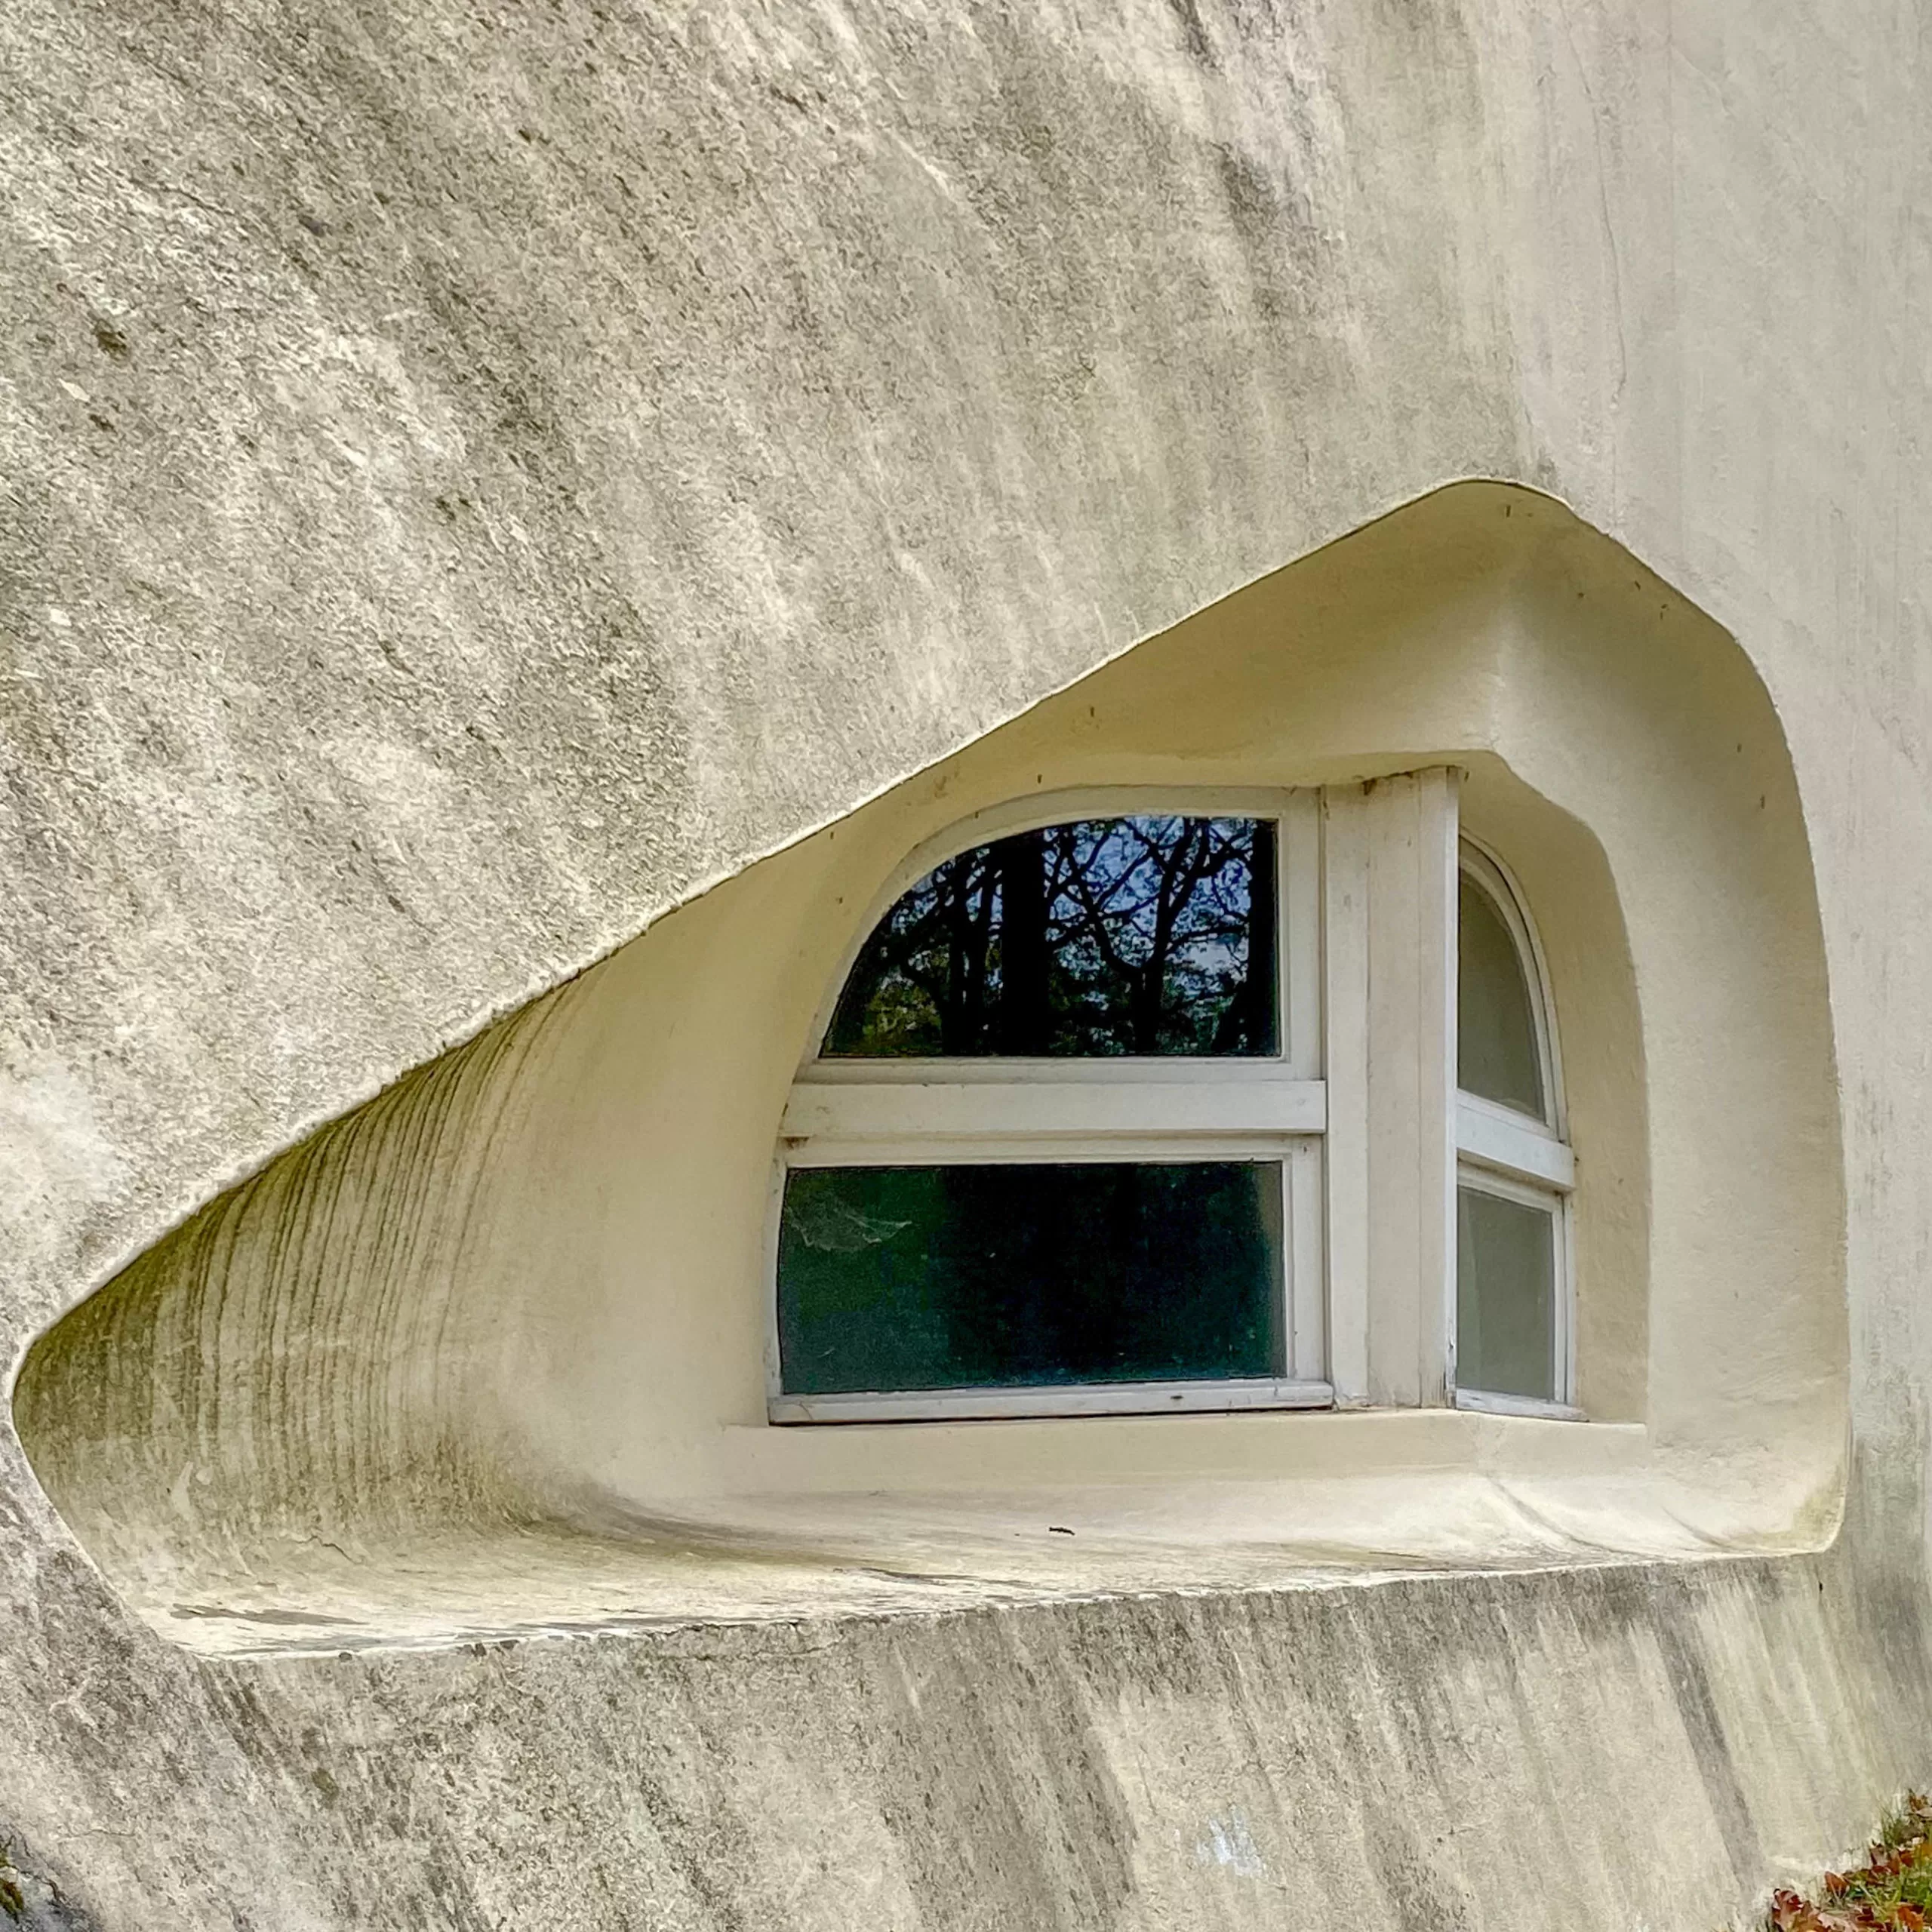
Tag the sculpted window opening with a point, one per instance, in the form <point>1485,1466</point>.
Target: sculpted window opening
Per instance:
<point>534,1288</point>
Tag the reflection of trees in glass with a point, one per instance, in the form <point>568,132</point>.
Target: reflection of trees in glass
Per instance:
<point>1143,935</point>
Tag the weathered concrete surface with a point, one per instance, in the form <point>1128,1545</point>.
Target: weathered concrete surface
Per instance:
<point>1467,1752</point>
<point>472,477</point>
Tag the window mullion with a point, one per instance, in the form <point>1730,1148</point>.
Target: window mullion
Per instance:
<point>1299,948</point>
<point>1438,876</point>
<point>1345,933</point>
<point>1390,909</point>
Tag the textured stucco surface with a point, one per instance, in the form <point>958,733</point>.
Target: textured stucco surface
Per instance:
<point>471,477</point>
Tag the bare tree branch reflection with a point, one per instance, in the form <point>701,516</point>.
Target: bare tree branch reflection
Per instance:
<point>1147,935</point>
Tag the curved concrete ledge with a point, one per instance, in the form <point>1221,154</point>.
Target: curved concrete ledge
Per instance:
<point>487,1354</point>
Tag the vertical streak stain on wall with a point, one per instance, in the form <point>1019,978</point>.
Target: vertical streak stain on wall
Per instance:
<point>301,1359</point>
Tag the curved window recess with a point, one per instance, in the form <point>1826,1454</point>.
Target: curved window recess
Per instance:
<point>488,1353</point>
<point>1514,1327</point>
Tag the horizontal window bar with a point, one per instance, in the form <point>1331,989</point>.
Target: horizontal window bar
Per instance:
<point>1512,1144</point>
<point>915,1112</point>
<point>930,1150</point>
<point>1114,1399</point>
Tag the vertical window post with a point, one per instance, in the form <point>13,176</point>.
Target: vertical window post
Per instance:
<point>1389,911</point>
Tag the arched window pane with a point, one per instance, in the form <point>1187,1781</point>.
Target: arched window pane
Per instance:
<point>1496,1053</point>
<point>1148,935</point>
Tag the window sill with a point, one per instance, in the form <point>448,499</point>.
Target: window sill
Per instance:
<point>858,1521</point>
<point>1488,1402</point>
<point>870,1455</point>
<point>1092,1398</point>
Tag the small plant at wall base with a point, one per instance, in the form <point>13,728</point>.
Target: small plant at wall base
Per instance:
<point>1893,1887</point>
<point>13,1901</point>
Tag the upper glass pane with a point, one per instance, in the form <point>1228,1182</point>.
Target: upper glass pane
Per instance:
<point>1497,1055</point>
<point>1153,934</point>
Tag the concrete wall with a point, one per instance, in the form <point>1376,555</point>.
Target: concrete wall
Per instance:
<point>474,479</point>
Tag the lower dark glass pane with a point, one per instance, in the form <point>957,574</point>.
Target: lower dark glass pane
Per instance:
<point>1017,1277</point>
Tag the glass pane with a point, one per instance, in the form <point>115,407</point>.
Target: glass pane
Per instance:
<point>1495,1050</point>
<point>1145,935</point>
<point>1506,1296</point>
<point>1020,1277</point>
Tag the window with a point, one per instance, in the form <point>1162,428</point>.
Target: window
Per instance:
<point>1064,1145</point>
<point>1514,1170</point>
<point>1059,1150</point>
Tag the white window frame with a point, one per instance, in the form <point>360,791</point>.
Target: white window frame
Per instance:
<point>1513,1155</point>
<point>1360,1107</point>
<point>1171,1108</point>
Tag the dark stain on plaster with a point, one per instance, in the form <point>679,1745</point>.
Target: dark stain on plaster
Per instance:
<point>35,1895</point>
<point>706,1852</point>
<point>1273,227</point>
<point>1398,1718</point>
<point>1691,1683</point>
<point>1194,31</point>
<point>1418,1898</point>
<point>255,1614</point>
<point>111,340</point>
<point>988,1743</point>
<point>1886,1488</point>
<point>312,1258</point>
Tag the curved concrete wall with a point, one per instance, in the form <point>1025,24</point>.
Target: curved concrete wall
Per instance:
<point>475,479</point>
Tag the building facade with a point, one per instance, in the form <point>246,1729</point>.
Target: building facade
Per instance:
<point>964,967</point>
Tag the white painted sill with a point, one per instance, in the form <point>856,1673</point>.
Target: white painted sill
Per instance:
<point>1483,1402</point>
<point>1122,1398</point>
<point>1086,1398</point>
